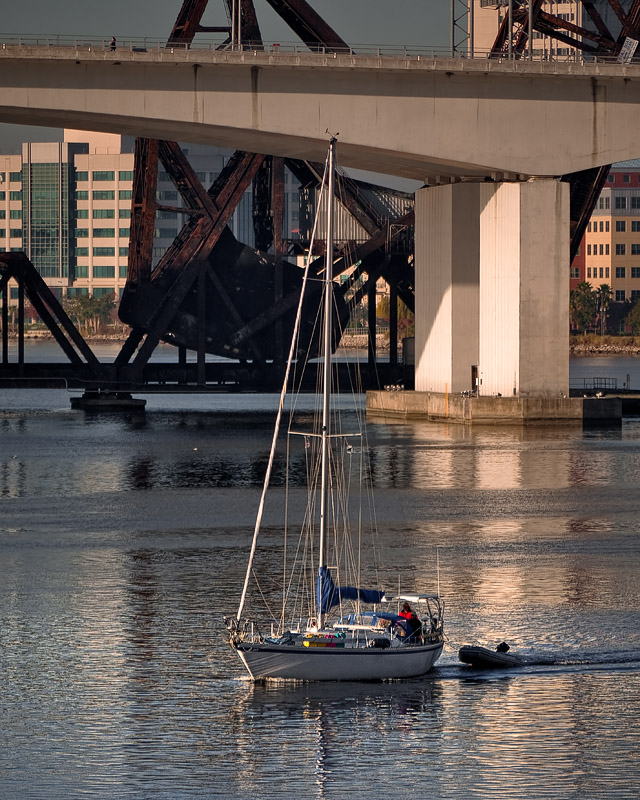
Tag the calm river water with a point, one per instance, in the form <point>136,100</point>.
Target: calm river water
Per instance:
<point>123,543</point>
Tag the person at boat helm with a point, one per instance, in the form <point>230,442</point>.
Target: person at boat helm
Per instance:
<point>406,611</point>
<point>415,627</point>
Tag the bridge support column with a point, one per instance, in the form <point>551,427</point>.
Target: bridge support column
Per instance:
<point>447,262</point>
<point>492,288</point>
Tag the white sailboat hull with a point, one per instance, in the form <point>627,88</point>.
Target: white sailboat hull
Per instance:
<point>333,664</point>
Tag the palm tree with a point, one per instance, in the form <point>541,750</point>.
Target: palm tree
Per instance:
<point>583,306</point>
<point>603,298</point>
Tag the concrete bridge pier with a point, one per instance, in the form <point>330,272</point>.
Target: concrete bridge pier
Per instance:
<point>492,303</point>
<point>492,288</point>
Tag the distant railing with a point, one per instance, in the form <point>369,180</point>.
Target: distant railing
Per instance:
<point>594,384</point>
<point>217,44</point>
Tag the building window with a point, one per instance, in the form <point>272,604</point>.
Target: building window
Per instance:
<point>588,249</point>
<point>635,294</point>
<point>601,272</point>
<point>104,213</point>
<point>635,272</point>
<point>104,195</point>
<point>601,249</point>
<point>104,251</point>
<point>124,213</point>
<point>620,202</point>
<point>104,233</point>
<point>3,213</point>
<point>606,226</point>
<point>102,291</point>
<point>167,195</point>
<point>635,202</point>
<point>123,232</point>
<point>15,214</point>
<point>588,272</point>
<point>122,271</point>
<point>123,251</point>
<point>621,249</point>
<point>603,202</point>
<point>610,179</point>
<point>620,296</point>
<point>3,195</point>
<point>15,176</point>
<point>606,249</point>
<point>635,226</point>
<point>82,213</point>
<point>606,272</point>
<point>125,175</point>
<point>574,272</point>
<point>601,226</point>
<point>82,233</point>
<point>621,226</point>
<point>635,249</point>
<point>164,233</point>
<point>82,270</point>
<point>3,235</point>
<point>124,194</point>
<point>104,175</point>
<point>82,176</point>
<point>82,195</point>
<point>621,272</point>
<point>81,251</point>
<point>15,195</point>
<point>104,271</point>
<point>626,178</point>
<point>589,228</point>
<point>15,233</point>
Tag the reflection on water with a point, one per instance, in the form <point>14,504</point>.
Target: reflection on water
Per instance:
<point>123,544</point>
<point>200,449</point>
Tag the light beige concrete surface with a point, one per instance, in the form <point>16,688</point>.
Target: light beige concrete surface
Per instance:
<point>427,119</point>
<point>438,407</point>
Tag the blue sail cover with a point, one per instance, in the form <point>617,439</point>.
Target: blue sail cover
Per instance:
<point>330,595</point>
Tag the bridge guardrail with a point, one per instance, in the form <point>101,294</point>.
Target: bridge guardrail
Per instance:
<point>411,52</point>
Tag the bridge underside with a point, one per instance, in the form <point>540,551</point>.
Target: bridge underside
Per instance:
<point>484,320</point>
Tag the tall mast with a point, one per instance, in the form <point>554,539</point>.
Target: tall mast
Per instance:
<point>326,387</point>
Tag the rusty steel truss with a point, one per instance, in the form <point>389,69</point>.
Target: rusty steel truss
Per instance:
<point>513,39</point>
<point>212,294</point>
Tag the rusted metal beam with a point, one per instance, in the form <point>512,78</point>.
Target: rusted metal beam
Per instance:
<point>188,22</point>
<point>309,25</point>
<point>594,14</point>
<point>20,268</point>
<point>277,207</point>
<point>552,26</point>
<point>143,211</point>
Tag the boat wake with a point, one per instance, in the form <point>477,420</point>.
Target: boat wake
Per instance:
<point>532,663</point>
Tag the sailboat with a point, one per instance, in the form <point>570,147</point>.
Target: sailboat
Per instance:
<point>341,632</point>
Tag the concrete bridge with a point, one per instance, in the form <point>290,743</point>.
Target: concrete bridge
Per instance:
<point>416,116</point>
<point>489,139</point>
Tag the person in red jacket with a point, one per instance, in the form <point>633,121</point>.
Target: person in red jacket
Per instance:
<point>406,611</point>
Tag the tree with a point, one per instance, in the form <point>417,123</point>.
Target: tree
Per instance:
<point>583,306</point>
<point>90,313</point>
<point>604,295</point>
<point>632,320</point>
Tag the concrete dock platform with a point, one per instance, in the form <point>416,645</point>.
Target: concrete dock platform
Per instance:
<point>442,407</point>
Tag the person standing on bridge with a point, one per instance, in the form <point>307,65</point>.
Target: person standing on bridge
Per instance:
<point>112,43</point>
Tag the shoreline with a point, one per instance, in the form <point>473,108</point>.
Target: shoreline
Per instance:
<point>578,347</point>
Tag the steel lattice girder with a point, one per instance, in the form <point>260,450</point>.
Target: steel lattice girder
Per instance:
<point>154,312</point>
<point>585,186</point>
